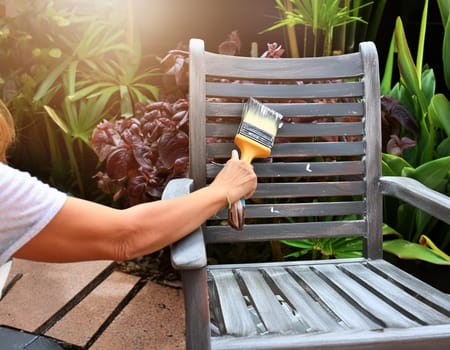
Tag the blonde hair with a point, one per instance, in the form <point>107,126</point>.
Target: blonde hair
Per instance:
<point>7,131</point>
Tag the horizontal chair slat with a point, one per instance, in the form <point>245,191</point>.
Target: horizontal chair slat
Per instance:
<point>296,149</point>
<point>262,68</point>
<point>293,129</point>
<point>298,210</point>
<point>309,189</point>
<point>291,91</point>
<point>353,109</point>
<point>302,230</point>
<point>299,169</point>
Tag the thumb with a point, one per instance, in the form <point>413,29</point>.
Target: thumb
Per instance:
<point>234,155</point>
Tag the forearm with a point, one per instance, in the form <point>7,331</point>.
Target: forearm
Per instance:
<point>84,230</point>
<point>165,222</point>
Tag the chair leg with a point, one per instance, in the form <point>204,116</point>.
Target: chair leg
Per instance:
<point>195,288</point>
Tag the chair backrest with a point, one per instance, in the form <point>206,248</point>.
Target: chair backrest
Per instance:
<point>322,177</point>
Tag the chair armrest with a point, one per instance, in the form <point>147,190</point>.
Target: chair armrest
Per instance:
<point>417,194</point>
<point>188,253</point>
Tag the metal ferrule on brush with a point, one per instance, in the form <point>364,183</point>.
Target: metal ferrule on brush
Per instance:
<point>256,134</point>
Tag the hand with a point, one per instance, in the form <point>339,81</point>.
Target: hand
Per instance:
<point>237,179</point>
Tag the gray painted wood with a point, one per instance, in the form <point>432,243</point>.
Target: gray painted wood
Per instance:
<point>235,316</point>
<point>415,193</point>
<point>323,180</point>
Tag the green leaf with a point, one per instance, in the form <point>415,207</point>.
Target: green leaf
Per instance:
<point>395,163</point>
<point>443,148</point>
<point>386,83</point>
<point>428,84</point>
<point>444,9</point>
<point>52,113</point>
<point>408,250</point>
<point>439,112</point>
<point>408,70</point>
<point>126,104</point>
<point>50,80</point>
<point>87,91</point>
<point>446,53</point>
<point>304,243</point>
<point>433,174</point>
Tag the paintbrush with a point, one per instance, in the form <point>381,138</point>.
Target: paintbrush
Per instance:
<point>254,138</point>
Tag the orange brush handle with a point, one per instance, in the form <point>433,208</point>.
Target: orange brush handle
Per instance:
<point>250,149</point>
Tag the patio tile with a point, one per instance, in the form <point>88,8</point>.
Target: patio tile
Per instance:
<point>153,320</point>
<point>43,289</point>
<point>81,323</point>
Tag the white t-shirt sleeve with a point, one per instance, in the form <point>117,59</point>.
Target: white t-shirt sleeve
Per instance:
<point>27,205</point>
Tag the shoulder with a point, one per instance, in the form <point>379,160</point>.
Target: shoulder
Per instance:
<point>19,188</point>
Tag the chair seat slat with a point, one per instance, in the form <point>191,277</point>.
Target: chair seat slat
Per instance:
<point>274,317</point>
<point>434,297</point>
<point>345,310</point>
<point>308,309</point>
<point>396,295</point>
<point>360,296</point>
<point>237,320</point>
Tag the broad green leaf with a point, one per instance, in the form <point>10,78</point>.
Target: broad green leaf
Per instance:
<point>427,242</point>
<point>408,250</point>
<point>388,231</point>
<point>395,163</point>
<point>428,84</point>
<point>444,9</point>
<point>446,52</point>
<point>439,111</point>
<point>443,149</point>
<point>433,174</point>
<point>406,220</point>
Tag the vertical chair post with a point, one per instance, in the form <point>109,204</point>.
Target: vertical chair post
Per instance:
<point>197,310</point>
<point>373,244</point>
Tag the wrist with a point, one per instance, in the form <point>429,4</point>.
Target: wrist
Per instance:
<point>222,193</point>
<point>229,202</point>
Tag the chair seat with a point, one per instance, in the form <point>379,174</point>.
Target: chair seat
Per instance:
<point>302,301</point>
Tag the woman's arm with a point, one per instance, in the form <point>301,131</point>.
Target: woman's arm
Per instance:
<point>84,230</point>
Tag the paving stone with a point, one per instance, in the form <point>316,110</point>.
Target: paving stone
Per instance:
<point>153,320</point>
<point>43,289</point>
<point>81,323</point>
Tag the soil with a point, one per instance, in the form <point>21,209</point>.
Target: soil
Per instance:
<point>154,267</point>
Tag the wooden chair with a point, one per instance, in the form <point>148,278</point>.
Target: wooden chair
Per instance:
<point>323,180</point>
